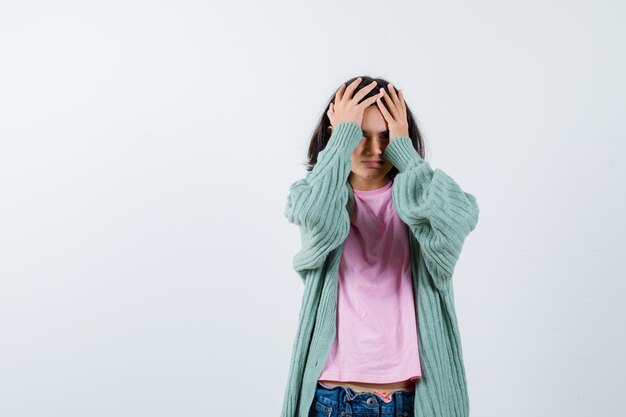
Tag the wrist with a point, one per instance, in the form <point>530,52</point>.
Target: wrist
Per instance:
<point>398,134</point>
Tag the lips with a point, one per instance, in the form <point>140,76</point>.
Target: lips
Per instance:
<point>374,163</point>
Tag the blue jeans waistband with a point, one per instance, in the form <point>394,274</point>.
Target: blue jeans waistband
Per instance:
<point>352,402</point>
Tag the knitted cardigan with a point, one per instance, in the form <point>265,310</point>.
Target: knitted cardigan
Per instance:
<point>439,216</point>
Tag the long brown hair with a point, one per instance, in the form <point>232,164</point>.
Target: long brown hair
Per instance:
<point>320,137</point>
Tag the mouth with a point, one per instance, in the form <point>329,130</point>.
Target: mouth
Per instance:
<point>374,163</point>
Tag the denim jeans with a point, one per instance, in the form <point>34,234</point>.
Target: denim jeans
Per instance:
<point>345,402</point>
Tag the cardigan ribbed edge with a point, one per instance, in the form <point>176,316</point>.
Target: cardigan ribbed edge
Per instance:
<point>402,154</point>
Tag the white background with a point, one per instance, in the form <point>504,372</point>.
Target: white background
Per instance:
<point>146,150</point>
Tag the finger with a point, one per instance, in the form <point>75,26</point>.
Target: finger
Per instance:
<point>401,98</point>
<point>369,101</point>
<point>392,93</point>
<point>339,93</point>
<point>364,91</point>
<point>390,104</point>
<point>384,111</point>
<point>350,89</point>
<point>394,97</point>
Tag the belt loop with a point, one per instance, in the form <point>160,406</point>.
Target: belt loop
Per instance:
<point>399,403</point>
<point>344,402</point>
<point>350,393</point>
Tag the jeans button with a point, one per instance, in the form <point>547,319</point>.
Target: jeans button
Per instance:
<point>370,401</point>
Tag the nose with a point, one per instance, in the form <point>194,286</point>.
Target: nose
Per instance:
<point>375,146</point>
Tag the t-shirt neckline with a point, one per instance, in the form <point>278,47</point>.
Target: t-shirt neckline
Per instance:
<point>374,192</point>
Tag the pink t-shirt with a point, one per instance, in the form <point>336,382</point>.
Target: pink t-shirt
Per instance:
<point>376,339</point>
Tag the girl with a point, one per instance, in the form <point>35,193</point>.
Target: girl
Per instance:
<point>381,234</point>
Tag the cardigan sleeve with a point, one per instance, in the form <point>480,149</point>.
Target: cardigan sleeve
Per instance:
<point>437,211</point>
<point>317,202</point>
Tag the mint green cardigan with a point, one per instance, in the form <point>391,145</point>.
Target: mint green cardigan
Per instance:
<point>439,216</point>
